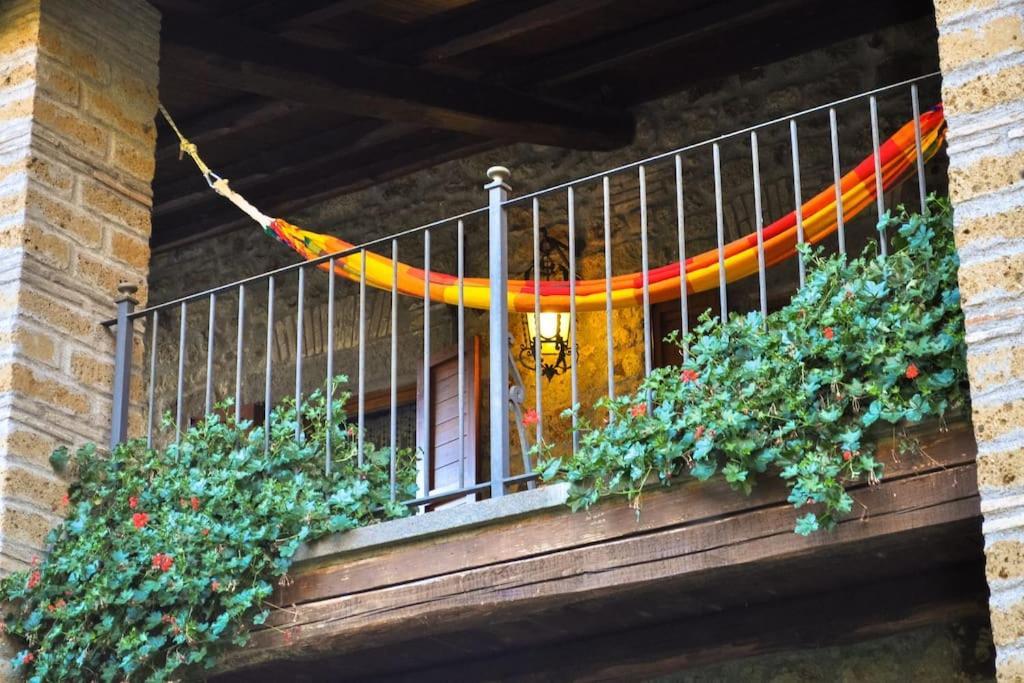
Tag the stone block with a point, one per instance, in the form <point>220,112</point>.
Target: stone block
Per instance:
<point>1004,226</point>
<point>111,204</point>
<point>69,126</point>
<point>985,175</point>
<point>997,278</point>
<point>983,92</point>
<point>92,372</point>
<point>1002,470</point>
<point>1001,35</point>
<point>130,249</point>
<point>67,218</point>
<point>1004,560</point>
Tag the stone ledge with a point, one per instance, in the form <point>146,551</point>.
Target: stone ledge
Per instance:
<point>434,523</point>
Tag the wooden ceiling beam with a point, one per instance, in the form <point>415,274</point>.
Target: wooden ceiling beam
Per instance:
<point>240,115</point>
<point>232,56</point>
<point>469,27</point>
<point>319,178</point>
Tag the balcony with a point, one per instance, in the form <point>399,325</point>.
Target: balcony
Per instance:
<point>490,555</point>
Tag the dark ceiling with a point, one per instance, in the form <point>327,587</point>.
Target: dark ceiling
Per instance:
<point>304,100</point>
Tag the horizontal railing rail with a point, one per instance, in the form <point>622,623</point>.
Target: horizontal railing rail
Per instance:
<point>640,204</point>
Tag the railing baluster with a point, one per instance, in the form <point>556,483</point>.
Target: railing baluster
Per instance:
<point>645,273</point>
<point>461,275</point>
<point>182,331</point>
<point>574,360</point>
<point>609,316</point>
<point>300,326</point>
<point>361,392</point>
<point>211,334</point>
<point>537,357</point>
<point>759,223</point>
<point>922,191</point>
<point>393,428</point>
<point>270,365</point>
<point>239,342</point>
<point>427,430</point>
<point>684,309</point>
<point>329,445</point>
<point>879,187</point>
<point>155,322</point>
<point>837,180</point>
<point>723,298</point>
<point>794,148</point>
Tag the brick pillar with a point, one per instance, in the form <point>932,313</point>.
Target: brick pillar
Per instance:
<point>981,48</point>
<point>77,103</point>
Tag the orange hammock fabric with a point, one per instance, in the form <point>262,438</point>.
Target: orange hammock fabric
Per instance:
<point>898,157</point>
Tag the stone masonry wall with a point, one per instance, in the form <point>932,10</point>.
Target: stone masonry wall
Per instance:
<point>77,100</point>
<point>890,55</point>
<point>981,46</point>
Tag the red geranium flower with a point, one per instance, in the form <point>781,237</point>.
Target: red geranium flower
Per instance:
<point>133,502</point>
<point>27,658</point>
<point>699,432</point>
<point>689,376</point>
<point>847,456</point>
<point>638,410</point>
<point>205,532</point>
<point>195,503</point>
<point>215,585</point>
<point>828,333</point>
<point>139,519</point>
<point>162,562</point>
<point>530,418</point>
<point>33,579</point>
<point>912,371</point>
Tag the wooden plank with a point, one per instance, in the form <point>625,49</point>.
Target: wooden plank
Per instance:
<point>684,504</point>
<point>234,57</point>
<point>448,602</point>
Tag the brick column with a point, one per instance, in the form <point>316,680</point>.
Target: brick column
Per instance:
<point>77,103</point>
<point>981,47</point>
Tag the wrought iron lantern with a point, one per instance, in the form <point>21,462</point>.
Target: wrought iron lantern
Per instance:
<point>552,329</point>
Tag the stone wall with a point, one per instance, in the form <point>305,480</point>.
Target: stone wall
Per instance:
<point>982,54</point>
<point>696,114</point>
<point>77,100</point>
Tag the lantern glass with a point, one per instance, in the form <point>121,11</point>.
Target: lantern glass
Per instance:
<point>553,330</point>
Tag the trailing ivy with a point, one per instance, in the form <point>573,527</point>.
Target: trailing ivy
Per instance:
<point>865,341</point>
<point>168,555</point>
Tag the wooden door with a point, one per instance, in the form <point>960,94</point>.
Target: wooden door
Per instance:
<point>437,426</point>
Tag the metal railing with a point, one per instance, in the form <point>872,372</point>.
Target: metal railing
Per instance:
<point>601,190</point>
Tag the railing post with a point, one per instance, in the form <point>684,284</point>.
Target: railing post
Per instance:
<point>497,233</point>
<point>122,363</point>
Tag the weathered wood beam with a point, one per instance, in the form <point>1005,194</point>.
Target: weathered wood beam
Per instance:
<point>321,178</point>
<point>232,119</point>
<point>847,615</point>
<point>546,561</point>
<point>279,17</point>
<point>608,52</point>
<point>460,30</point>
<point>234,57</point>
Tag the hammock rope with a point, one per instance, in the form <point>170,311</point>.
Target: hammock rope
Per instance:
<point>858,190</point>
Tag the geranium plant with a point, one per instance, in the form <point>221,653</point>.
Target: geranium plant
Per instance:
<point>168,555</point>
<point>866,341</point>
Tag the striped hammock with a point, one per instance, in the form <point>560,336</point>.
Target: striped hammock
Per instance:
<point>898,158</point>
